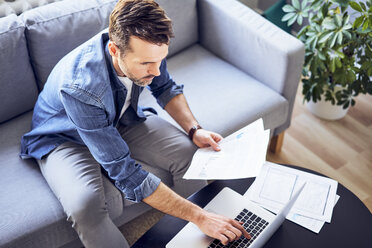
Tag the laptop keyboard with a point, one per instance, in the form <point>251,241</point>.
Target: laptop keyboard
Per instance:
<point>252,223</point>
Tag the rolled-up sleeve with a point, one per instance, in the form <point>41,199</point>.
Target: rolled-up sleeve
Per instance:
<point>109,149</point>
<point>163,87</point>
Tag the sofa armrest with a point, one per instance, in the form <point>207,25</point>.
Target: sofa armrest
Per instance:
<point>248,41</point>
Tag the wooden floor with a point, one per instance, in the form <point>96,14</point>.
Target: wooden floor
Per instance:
<point>340,149</point>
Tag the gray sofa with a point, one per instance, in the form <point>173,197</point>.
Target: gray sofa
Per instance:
<point>235,65</point>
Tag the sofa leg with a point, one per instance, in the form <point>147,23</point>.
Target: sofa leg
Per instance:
<point>276,143</point>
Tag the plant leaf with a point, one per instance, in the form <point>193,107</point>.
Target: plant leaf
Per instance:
<point>311,33</point>
<point>368,52</point>
<point>321,56</point>
<point>318,28</point>
<point>303,4</point>
<point>292,20</point>
<point>296,4</point>
<point>302,31</point>
<point>310,40</point>
<point>333,40</point>
<point>365,25</point>
<point>328,23</point>
<point>340,54</point>
<point>320,15</point>
<point>306,9</point>
<point>347,34</point>
<point>316,4</point>
<point>338,20</point>
<point>355,6</point>
<point>324,10</point>
<point>366,65</point>
<point>342,3</point>
<point>338,63</point>
<point>351,76</point>
<point>332,66</point>
<point>339,38</point>
<point>314,43</point>
<point>346,105</point>
<point>347,26</point>
<point>346,19</point>
<point>363,6</point>
<point>369,3</point>
<point>288,16</point>
<point>288,8</point>
<point>324,37</point>
<point>358,22</point>
<point>337,10</point>
<point>299,20</point>
<point>369,73</point>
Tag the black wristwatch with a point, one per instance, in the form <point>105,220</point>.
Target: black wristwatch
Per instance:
<point>193,130</point>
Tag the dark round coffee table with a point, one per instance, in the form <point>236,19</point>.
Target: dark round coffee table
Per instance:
<point>351,224</point>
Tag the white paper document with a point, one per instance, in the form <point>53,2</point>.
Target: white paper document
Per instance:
<point>307,222</point>
<point>242,155</point>
<point>311,224</point>
<point>275,185</point>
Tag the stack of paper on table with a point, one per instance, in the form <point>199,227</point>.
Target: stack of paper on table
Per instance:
<point>242,155</point>
<point>275,185</point>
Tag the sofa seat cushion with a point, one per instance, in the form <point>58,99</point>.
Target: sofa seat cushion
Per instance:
<point>221,97</point>
<point>31,216</point>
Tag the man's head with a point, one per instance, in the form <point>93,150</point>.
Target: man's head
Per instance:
<point>139,34</point>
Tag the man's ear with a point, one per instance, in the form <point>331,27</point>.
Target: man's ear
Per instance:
<point>113,49</point>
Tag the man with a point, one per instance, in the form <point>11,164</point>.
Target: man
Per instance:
<point>87,117</point>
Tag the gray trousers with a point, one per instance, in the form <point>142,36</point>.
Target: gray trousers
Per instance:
<point>76,180</point>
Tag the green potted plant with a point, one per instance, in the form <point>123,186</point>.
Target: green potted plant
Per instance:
<point>338,57</point>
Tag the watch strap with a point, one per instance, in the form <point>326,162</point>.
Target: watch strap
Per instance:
<point>193,130</point>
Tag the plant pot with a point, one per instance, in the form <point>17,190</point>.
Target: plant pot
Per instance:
<point>325,110</point>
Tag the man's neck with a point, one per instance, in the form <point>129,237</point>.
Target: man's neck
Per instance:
<point>116,67</point>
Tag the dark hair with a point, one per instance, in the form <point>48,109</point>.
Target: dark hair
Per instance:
<point>144,19</point>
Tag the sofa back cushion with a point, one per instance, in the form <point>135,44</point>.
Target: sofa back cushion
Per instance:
<point>18,89</point>
<point>184,17</point>
<point>57,28</point>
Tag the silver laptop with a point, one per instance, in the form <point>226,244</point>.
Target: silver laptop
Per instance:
<point>260,223</point>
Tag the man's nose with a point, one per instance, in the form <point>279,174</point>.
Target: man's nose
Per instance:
<point>154,69</point>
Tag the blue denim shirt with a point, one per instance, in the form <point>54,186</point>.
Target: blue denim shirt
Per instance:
<point>81,102</point>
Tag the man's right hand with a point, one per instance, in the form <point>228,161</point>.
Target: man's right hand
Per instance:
<point>222,228</point>
<point>213,225</point>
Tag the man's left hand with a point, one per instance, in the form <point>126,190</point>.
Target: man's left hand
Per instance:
<point>204,138</point>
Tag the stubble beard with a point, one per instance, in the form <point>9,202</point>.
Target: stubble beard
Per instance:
<point>140,83</point>
<point>137,81</point>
